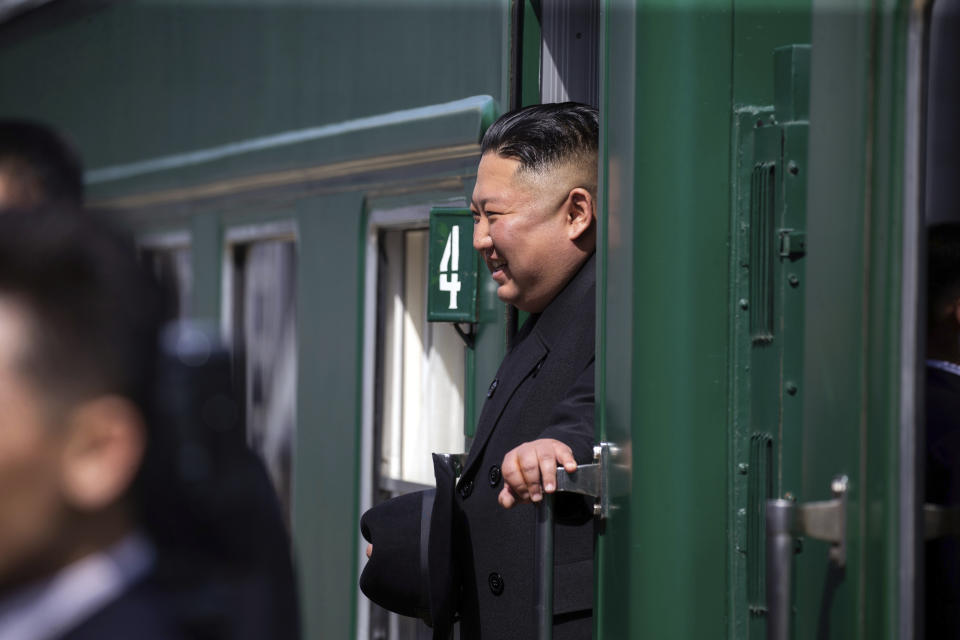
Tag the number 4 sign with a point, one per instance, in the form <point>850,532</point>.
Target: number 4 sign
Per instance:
<point>449,280</point>
<point>452,286</point>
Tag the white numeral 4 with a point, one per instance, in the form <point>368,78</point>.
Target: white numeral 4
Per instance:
<point>449,280</point>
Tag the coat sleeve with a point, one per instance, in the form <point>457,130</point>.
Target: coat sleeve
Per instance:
<point>572,419</point>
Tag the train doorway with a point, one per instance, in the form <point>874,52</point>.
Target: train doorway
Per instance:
<point>414,384</point>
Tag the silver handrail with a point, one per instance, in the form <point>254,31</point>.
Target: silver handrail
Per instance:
<point>544,570</point>
<point>785,519</point>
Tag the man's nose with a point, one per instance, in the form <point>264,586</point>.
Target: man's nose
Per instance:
<point>481,235</point>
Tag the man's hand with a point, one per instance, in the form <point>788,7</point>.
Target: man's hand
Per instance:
<point>531,466</point>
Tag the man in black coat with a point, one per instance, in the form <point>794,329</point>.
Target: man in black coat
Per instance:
<point>535,228</point>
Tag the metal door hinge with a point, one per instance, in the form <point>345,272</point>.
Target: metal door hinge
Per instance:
<point>592,479</point>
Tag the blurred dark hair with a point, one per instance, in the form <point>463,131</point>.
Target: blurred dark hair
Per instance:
<point>93,311</point>
<point>39,156</point>
<point>544,135</point>
<point>943,266</point>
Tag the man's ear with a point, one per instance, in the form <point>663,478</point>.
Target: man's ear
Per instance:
<point>105,440</point>
<point>580,212</point>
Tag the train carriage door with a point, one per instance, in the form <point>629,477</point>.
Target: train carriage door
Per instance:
<point>707,432</point>
<point>840,553</point>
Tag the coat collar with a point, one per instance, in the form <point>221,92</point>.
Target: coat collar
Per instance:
<point>534,342</point>
<point>555,319</point>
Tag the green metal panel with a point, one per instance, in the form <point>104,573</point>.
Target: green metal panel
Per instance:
<point>851,376</point>
<point>667,206</point>
<point>767,301</point>
<point>205,254</point>
<point>147,78</point>
<point>329,334</point>
<point>663,559</point>
<point>530,57</point>
<point>453,124</point>
<point>452,271</point>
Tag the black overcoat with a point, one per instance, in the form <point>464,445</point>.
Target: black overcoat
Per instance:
<point>543,389</point>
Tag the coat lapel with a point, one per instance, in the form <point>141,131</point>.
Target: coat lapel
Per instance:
<point>533,345</point>
<point>514,369</point>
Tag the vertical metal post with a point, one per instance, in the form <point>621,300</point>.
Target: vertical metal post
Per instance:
<point>781,515</point>
<point>544,568</point>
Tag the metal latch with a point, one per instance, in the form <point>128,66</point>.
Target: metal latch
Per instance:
<point>793,243</point>
<point>588,480</point>
<point>786,520</point>
<point>591,479</point>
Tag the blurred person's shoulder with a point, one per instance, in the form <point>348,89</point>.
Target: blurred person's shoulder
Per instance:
<point>144,612</point>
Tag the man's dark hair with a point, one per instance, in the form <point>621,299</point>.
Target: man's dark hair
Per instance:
<point>544,135</point>
<point>93,312</point>
<point>43,160</point>
<point>943,266</point>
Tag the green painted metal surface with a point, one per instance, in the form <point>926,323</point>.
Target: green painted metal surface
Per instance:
<point>206,246</point>
<point>658,236</point>
<point>146,78</point>
<point>852,339</point>
<point>326,467</point>
<point>767,304</point>
<point>530,56</point>
<point>452,271</point>
<point>663,559</point>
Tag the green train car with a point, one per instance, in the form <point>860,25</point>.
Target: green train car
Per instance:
<point>767,172</point>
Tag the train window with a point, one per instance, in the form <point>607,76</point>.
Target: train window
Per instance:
<point>570,51</point>
<point>168,256</point>
<point>260,324</point>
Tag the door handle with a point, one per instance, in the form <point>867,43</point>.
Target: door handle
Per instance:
<point>826,520</point>
<point>591,480</point>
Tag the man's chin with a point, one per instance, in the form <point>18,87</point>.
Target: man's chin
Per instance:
<point>508,293</point>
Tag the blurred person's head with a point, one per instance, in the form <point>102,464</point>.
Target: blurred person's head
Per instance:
<point>78,341</point>
<point>38,167</point>
<point>534,202</point>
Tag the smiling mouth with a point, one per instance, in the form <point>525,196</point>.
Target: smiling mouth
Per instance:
<point>496,265</point>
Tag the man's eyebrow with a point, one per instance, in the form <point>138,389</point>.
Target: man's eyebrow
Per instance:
<point>482,203</point>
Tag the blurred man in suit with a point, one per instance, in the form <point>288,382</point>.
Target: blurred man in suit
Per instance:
<point>78,355</point>
<point>202,501</point>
